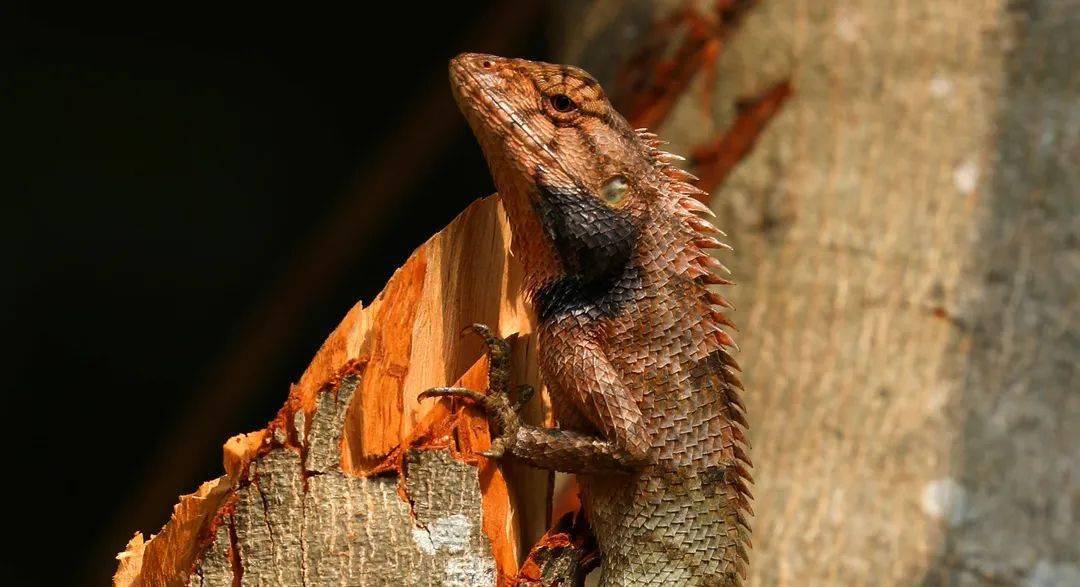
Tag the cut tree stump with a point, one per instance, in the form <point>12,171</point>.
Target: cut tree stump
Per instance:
<point>355,481</point>
<point>907,259</point>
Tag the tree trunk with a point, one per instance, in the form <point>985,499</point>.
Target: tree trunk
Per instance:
<point>354,481</point>
<point>906,237</point>
<point>906,245</point>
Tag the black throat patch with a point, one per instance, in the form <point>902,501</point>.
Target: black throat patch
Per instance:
<point>595,244</point>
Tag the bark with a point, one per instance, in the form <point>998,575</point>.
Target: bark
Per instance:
<point>907,252</point>
<point>907,249</point>
<point>354,482</point>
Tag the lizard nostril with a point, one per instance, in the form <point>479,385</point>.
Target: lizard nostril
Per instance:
<point>486,65</point>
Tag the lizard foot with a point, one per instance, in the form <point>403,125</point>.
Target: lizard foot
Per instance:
<point>496,402</point>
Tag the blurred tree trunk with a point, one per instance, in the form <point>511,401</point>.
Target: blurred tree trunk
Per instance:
<point>907,247</point>
<point>908,252</point>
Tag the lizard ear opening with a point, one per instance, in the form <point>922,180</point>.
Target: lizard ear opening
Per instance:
<point>614,190</point>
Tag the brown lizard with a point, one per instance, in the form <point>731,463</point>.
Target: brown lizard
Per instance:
<point>612,241</point>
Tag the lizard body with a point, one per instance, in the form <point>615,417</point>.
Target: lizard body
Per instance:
<point>631,347</point>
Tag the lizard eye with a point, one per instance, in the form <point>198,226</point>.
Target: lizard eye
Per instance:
<point>615,190</point>
<point>562,103</point>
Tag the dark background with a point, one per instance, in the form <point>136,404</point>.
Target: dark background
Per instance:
<point>192,200</point>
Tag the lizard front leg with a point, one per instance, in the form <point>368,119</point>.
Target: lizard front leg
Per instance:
<point>567,451</point>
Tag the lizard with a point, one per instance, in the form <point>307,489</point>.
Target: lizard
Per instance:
<point>613,242</point>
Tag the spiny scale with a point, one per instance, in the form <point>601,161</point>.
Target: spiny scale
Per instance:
<point>632,343</point>
<point>667,507</point>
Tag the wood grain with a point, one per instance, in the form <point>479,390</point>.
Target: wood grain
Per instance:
<point>287,510</point>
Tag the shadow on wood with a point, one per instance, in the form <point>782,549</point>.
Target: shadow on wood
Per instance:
<point>354,480</point>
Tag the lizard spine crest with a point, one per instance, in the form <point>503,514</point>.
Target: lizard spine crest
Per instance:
<point>694,263</point>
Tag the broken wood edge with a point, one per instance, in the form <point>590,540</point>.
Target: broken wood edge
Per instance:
<point>565,555</point>
<point>462,274</point>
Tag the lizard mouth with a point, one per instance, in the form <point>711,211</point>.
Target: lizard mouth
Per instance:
<point>492,116</point>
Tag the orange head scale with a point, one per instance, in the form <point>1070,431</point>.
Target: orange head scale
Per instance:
<point>563,159</point>
<point>582,189</point>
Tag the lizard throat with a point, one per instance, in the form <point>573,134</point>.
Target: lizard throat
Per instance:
<point>504,133</point>
<point>515,156</point>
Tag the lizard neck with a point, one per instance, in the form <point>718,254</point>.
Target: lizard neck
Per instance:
<point>538,257</point>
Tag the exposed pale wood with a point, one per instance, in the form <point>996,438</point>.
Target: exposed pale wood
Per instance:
<point>907,259</point>
<point>156,561</point>
<point>907,256</point>
<point>356,481</point>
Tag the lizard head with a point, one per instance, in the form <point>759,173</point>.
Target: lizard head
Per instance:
<point>562,158</point>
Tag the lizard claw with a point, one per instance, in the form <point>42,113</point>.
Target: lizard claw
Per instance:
<point>497,450</point>
<point>496,345</point>
<point>451,392</point>
<point>496,402</point>
<point>524,393</point>
<point>498,353</point>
